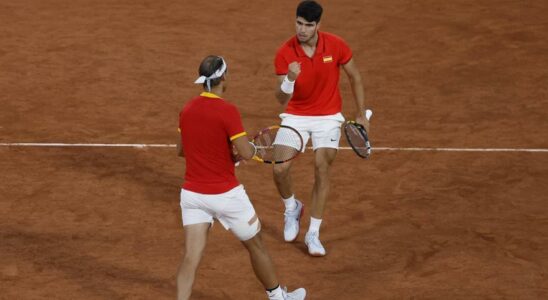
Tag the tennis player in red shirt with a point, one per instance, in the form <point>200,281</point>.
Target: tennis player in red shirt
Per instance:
<point>209,128</point>
<point>307,67</point>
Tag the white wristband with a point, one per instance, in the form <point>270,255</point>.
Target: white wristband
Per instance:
<point>287,86</point>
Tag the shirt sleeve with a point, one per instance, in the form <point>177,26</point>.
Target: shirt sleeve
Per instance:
<point>233,123</point>
<point>345,54</point>
<point>280,63</point>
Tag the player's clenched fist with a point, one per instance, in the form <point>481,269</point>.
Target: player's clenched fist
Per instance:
<point>294,69</point>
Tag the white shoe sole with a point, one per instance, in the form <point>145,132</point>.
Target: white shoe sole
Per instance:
<point>316,254</point>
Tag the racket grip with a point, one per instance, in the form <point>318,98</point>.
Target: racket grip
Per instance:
<point>368,114</point>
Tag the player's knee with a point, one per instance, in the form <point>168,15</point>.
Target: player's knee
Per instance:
<point>255,243</point>
<point>281,170</point>
<point>322,169</point>
<point>192,259</point>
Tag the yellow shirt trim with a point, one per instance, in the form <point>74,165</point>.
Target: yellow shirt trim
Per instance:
<point>237,135</point>
<point>209,95</point>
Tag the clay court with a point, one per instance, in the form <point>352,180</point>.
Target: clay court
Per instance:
<point>104,222</point>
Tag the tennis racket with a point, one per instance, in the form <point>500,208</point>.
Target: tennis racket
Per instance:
<point>356,135</point>
<point>277,144</point>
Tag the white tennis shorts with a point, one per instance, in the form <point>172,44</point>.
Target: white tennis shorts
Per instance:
<point>233,210</point>
<point>325,131</point>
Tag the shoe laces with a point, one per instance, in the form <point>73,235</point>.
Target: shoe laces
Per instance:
<point>294,213</point>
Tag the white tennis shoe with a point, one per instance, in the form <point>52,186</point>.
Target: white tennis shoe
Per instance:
<point>298,294</point>
<point>291,222</point>
<point>312,241</point>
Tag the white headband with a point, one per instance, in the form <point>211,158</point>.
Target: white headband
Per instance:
<point>218,74</point>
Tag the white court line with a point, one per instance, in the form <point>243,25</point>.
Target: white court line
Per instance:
<point>87,145</point>
<point>460,149</point>
<point>342,148</point>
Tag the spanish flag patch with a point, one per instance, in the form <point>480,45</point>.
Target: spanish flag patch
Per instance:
<point>328,59</point>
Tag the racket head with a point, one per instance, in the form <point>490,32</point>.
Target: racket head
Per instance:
<point>277,144</point>
<point>357,138</point>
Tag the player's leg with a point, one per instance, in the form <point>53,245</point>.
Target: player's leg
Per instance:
<point>282,175</point>
<point>283,181</point>
<point>325,140</point>
<point>240,217</point>
<point>293,207</point>
<point>323,158</point>
<point>196,221</point>
<point>320,191</point>
<point>261,262</point>
<point>195,242</point>
<point>265,272</point>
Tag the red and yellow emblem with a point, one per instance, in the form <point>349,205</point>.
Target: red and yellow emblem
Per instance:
<point>328,59</point>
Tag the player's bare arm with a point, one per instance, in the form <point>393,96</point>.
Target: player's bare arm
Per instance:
<point>286,83</point>
<point>357,87</point>
<point>245,149</point>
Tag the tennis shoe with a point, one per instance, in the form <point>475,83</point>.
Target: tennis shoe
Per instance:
<point>298,294</point>
<point>291,222</point>
<point>312,241</point>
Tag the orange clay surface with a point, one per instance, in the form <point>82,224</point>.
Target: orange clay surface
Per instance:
<point>104,223</point>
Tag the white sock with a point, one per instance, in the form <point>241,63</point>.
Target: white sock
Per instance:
<point>314,224</point>
<point>290,203</point>
<point>275,294</point>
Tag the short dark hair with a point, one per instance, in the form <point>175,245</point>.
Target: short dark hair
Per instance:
<point>310,10</point>
<point>209,65</point>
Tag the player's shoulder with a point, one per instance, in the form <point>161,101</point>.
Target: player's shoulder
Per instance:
<point>288,45</point>
<point>227,106</point>
<point>190,103</point>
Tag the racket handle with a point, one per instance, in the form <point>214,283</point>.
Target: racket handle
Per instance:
<point>368,114</point>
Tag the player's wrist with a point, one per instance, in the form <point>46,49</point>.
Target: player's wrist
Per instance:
<point>291,76</point>
<point>287,86</point>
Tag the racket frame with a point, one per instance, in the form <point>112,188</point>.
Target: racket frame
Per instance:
<point>363,133</point>
<point>269,128</point>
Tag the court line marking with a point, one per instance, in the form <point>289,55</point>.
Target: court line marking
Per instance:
<point>87,145</point>
<point>431,149</point>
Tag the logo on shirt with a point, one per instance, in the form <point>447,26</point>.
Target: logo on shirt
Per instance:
<point>327,59</point>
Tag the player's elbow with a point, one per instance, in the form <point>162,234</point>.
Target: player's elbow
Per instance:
<point>355,77</point>
<point>282,97</point>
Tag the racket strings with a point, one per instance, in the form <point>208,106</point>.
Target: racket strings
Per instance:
<point>277,144</point>
<point>356,138</point>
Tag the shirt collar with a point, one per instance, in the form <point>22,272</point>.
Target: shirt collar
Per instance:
<point>320,46</point>
<point>209,95</point>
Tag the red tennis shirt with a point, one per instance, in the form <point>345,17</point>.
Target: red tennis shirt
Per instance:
<point>317,87</point>
<point>207,124</point>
